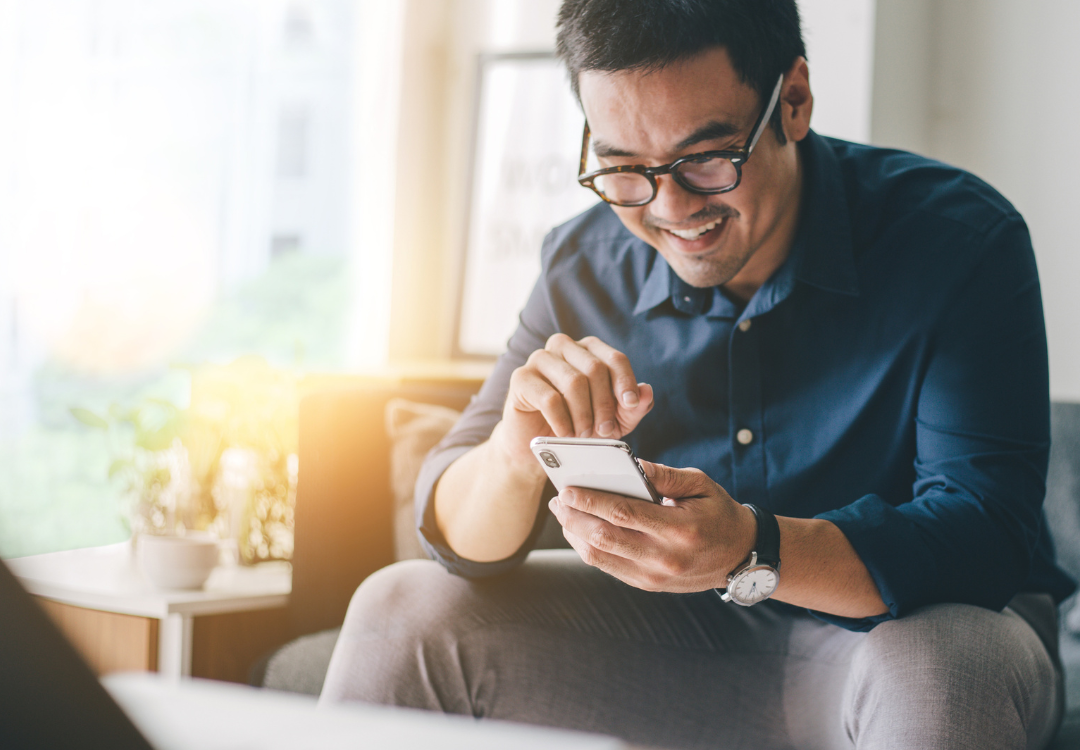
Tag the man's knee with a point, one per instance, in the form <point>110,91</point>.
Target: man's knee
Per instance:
<point>953,646</point>
<point>402,600</point>
<point>953,668</point>
<point>392,632</point>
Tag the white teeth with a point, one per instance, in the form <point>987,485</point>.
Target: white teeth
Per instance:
<point>693,234</point>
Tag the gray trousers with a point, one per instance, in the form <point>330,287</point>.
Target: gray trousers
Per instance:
<point>559,643</point>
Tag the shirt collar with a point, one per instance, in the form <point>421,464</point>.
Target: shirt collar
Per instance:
<point>657,286</point>
<point>821,255</point>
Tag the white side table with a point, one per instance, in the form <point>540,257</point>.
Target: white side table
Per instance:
<point>106,579</point>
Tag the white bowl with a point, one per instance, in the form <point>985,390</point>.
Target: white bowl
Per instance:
<point>177,562</point>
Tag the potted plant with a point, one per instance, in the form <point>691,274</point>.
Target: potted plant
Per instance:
<point>226,463</point>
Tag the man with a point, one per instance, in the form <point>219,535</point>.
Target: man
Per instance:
<point>845,344</point>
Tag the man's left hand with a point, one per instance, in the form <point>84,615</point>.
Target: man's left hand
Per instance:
<point>689,543</point>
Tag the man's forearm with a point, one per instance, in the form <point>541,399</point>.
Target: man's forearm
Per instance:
<point>485,505</point>
<point>821,571</point>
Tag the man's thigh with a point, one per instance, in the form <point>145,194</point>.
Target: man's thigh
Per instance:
<point>957,676</point>
<point>559,643</point>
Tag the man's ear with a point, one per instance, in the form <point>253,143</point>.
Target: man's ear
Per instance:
<point>796,101</point>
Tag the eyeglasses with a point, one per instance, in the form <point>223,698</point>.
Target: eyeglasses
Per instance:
<point>707,173</point>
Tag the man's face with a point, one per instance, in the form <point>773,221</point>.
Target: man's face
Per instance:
<point>695,105</point>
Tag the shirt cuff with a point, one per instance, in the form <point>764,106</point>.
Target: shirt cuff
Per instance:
<point>432,540</point>
<point>894,553</point>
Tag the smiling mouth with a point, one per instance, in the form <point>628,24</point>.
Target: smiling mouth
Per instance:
<point>696,238</point>
<point>693,234</point>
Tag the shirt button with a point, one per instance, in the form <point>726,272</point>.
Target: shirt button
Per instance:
<point>745,325</point>
<point>744,436</point>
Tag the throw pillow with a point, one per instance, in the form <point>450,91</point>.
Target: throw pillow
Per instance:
<point>413,429</point>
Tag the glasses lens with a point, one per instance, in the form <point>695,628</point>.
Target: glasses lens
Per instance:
<point>624,188</point>
<point>709,174</point>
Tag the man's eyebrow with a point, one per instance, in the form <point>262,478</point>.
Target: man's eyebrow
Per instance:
<point>712,131</point>
<point>602,149</point>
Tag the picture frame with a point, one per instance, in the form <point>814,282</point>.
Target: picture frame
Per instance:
<point>526,143</point>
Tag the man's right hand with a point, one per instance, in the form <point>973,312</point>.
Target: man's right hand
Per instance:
<point>570,389</point>
<point>486,501</point>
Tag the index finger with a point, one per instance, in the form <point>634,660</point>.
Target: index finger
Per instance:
<point>623,381</point>
<point>619,510</point>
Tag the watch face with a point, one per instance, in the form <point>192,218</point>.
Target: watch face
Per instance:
<point>754,585</point>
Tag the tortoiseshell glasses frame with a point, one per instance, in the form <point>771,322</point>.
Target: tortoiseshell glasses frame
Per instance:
<point>737,157</point>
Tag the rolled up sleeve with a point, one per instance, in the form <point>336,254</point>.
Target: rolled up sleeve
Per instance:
<point>970,529</point>
<point>536,325</point>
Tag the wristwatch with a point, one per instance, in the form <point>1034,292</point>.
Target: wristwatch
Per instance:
<point>756,578</point>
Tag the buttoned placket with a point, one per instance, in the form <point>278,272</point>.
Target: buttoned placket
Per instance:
<point>747,414</point>
<point>746,397</point>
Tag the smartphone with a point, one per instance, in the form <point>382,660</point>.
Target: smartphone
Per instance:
<point>594,464</point>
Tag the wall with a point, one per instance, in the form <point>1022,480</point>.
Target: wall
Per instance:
<point>900,105</point>
<point>839,36</point>
<point>377,105</point>
<point>421,163</point>
<point>989,85</point>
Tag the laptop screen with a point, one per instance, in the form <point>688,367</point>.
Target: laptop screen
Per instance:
<point>49,698</point>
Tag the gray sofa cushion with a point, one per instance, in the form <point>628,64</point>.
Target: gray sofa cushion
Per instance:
<point>300,666</point>
<point>1063,487</point>
<point>1063,519</point>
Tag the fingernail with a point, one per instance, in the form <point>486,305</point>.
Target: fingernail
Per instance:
<point>587,433</point>
<point>553,504</point>
<point>629,398</point>
<point>606,428</point>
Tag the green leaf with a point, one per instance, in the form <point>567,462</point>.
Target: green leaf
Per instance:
<point>155,440</point>
<point>88,418</point>
<point>160,436</point>
<point>119,465</point>
<point>169,406</point>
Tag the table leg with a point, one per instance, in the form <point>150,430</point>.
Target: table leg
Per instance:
<point>174,646</point>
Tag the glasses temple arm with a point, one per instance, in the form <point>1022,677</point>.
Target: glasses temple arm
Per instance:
<point>765,115</point>
<point>584,149</point>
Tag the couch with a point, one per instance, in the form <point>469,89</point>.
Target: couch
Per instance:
<point>360,448</point>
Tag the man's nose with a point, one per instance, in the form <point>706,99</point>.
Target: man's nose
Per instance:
<point>674,203</point>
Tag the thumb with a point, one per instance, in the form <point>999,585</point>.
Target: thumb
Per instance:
<point>676,483</point>
<point>629,416</point>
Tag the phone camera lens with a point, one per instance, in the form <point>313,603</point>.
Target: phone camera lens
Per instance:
<point>549,459</point>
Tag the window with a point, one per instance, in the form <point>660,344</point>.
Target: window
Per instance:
<point>174,194</point>
<point>292,143</point>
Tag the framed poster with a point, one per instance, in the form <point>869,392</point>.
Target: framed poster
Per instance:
<point>526,145</point>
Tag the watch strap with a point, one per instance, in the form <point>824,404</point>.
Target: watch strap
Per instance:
<point>767,545</point>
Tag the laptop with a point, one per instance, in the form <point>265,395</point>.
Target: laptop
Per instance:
<point>49,698</point>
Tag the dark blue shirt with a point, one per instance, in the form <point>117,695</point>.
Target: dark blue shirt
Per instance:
<point>893,376</point>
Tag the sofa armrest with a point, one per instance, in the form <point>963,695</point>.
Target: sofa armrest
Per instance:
<point>344,503</point>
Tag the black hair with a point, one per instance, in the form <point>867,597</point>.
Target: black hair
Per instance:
<point>763,38</point>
